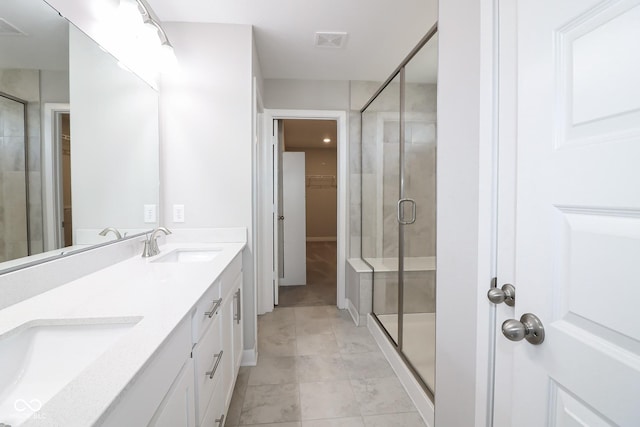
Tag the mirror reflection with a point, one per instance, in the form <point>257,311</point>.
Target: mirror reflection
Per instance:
<point>78,139</point>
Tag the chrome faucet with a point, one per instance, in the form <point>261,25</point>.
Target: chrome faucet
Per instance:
<point>151,243</point>
<point>112,230</point>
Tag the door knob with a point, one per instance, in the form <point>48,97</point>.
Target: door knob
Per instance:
<point>529,327</point>
<point>506,294</point>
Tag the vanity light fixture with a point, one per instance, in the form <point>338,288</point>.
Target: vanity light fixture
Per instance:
<point>148,34</point>
<point>326,140</point>
<point>167,60</point>
<point>131,12</point>
<point>105,9</point>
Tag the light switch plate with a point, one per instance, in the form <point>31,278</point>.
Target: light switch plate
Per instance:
<point>150,214</point>
<point>178,213</point>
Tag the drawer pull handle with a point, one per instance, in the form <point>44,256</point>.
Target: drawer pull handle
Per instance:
<point>220,420</point>
<point>238,316</point>
<point>214,309</point>
<point>218,358</point>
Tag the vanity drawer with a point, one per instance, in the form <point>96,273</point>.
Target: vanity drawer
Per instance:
<point>209,359</point>
<point>207,310</point>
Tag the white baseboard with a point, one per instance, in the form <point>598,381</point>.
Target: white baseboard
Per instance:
<point>423,404</point>
<point>249,357</point>
<point>353,312</point>
<point>322,239</point>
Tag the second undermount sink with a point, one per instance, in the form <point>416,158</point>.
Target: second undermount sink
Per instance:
<point>40,360</point>
<point>187,255</point>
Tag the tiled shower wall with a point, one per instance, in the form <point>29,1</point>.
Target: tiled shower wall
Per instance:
<point>420,132</point>
<point>25,85</point>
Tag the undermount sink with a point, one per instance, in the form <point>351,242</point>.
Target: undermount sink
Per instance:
<point>189,255</point>
<point>40,360</point>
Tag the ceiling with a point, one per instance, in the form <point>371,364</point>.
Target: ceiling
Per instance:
<point>45,39</point>
<point>380,32</point>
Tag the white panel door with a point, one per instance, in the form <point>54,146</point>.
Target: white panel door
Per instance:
<point>577,228</point>
<point>294,223</point>
<point>278,236</point>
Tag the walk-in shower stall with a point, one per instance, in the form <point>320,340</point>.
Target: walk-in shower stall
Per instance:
<point>14,189</point>
<point>398,189</point>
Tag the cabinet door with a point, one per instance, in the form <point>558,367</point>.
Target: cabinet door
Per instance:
<point>178,406</point>
<point>228,377</point>
<point>237,323</point>
<point>216,412</point>
<point>209,356</point>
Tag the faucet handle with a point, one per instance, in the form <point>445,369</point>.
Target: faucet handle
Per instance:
<point>146,251</point>
<point>151,243</point>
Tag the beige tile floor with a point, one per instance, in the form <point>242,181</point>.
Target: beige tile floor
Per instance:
<point>317,369</point>
<point>321,279</point>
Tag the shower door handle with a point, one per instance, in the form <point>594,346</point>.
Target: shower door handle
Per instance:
<point>401,219</point>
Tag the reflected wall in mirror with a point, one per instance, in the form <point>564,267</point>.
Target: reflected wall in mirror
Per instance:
<point>78,139</point>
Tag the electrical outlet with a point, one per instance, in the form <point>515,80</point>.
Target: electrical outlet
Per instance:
<point>178,213</point>
<point>150,214</point>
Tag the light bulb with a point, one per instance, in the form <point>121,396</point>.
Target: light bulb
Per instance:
<point>167,61</point>
<point>105,9</point>
<point>129,13</point>
<point>149,34</point>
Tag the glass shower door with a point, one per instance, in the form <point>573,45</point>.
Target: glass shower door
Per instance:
<point>399,207</point>
<point>419,237</point>
<point>380,192</point>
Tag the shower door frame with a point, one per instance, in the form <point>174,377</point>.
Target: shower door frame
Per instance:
<point>398,347</point>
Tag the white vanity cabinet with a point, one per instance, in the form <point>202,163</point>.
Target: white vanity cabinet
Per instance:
<point>233,337</point>
<point>189,381</point>
<point>162,391</point>
<point>218,349</point>
<point>209,356</point>
<point>178,406</point>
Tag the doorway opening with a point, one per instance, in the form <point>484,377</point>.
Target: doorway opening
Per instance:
<point>307,212</point>
<point>64,138</point>
<point>56,172</point>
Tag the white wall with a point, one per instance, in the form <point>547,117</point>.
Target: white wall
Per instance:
<point>464,212</point>
<point>54,86</point>
<point>287,94</point>
<point>206,128</point>
<point>321,200</point>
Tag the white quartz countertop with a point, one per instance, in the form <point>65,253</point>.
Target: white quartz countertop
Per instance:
<point>159,295</point>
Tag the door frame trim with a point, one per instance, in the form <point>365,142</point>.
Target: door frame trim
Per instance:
<point>51,185</point>
<point>265,274</point>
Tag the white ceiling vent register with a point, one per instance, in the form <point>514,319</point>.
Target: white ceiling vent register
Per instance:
<point>7,29</point>
<point>333,40</point>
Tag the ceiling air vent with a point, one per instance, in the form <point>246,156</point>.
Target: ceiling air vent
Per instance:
<point>333,40</point>
<point>7,29</point>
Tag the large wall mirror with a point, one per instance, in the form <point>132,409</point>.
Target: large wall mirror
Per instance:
<point>78,139</point>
